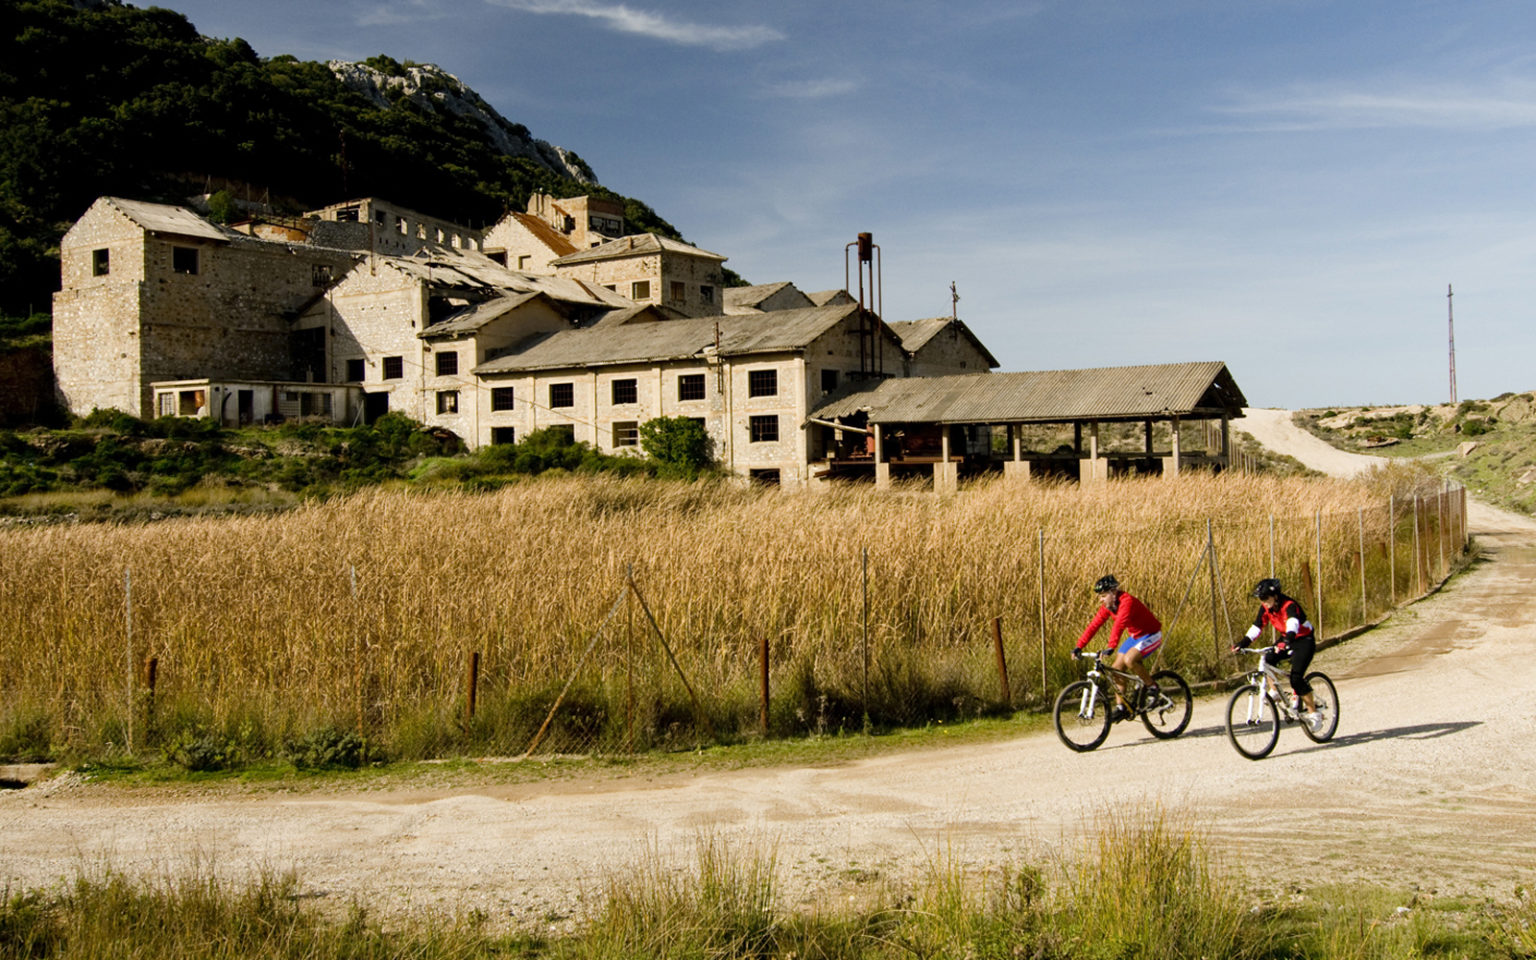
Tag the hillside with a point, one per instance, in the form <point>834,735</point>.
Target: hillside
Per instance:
<point>103,98</point>
<point>1487,445</point>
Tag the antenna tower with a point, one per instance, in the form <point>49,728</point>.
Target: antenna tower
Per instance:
<point>1450,320</point>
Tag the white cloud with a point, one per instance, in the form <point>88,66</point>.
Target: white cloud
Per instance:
<point>1324,109</point>
<point>398,14</point>
<point>625,19</point>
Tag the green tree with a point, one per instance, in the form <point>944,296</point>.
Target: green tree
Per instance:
<point>678,444</point>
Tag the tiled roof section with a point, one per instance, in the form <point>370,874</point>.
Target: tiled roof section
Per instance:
<point>558,243</point>
<point>1047,396</point>
<point>778,332</point>
<point>634,246</point>
<point>166,219</point>
<point>474,317</point>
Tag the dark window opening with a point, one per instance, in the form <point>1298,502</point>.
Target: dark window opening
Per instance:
<point>503,435</point>
<point>640,290</point>
<point>447,401</point>
<point>320,274</point>
<point>762,383</point>
<point>626,391</point>
<point>562,395</point>
<point>690,386</point>
<point>626,433</point>
<point>394,368</point>
<point>828,381</point>
<point>101,262</point>
<point>355,369</point>
<point>448,363</point>
<point>764,429</point>
<point>763,478</point>
<point>502,398</point>
<point>678,291</point>
<point>707,294</point>
<point>184,259</point>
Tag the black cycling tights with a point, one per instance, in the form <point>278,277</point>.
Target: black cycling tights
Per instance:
<point>1300,652</point>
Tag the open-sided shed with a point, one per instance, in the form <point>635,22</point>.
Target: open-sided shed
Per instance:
<point>977,422</point>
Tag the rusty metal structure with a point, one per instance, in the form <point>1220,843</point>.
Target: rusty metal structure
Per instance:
<point>871,345</point>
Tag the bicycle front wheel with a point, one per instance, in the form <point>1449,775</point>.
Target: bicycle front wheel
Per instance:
<point>1082,715</point>
<point>1253,723</point>
<point>1325,700</point>
<point>1168,717</point>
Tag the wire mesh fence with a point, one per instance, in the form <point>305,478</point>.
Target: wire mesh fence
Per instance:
<point>419,654</point>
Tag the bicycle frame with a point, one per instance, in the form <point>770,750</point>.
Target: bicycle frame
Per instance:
<point>1270,676</point>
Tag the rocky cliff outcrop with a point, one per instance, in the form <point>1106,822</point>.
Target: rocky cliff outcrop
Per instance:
<point>435,89</point>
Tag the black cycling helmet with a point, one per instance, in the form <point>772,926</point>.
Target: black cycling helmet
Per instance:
<point>1266,588</point>
<point>1106,583</point>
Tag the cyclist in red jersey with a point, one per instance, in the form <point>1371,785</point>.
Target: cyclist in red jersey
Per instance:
<point>1294,639</point>
<point>1143,636</point>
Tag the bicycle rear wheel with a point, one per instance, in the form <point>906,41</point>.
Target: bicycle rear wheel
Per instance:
<point>1253,723</point>
<point>1326,701</point>
<point>1082,715</point>
<point>1168,718</point>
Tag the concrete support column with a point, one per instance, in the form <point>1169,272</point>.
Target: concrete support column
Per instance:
<point>1171,464</point>
<point>882,469</point>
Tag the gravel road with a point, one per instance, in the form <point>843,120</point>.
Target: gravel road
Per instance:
<point>1429,782</point>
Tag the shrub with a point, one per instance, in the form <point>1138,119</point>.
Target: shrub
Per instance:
<point>679,444</point>
<point>327,748</point>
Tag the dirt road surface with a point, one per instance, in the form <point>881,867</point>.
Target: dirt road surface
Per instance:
<point>1431,781</point>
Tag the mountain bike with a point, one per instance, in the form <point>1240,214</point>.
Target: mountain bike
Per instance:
<point>1256,709</point>
<point>1084,707</point>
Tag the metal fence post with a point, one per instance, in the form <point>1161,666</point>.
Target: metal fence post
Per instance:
<point>1392,548</point>
<point>1002,661</point>
<point>1317,623</point>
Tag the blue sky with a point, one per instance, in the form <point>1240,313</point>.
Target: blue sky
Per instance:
<point>1285,185</point>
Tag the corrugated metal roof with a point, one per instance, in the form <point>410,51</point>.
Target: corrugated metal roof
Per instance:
<point>915,333</point>
<point>164,218</point>
<point>449,269</point>
<point>635,245</point>
<point>642,342</point>
<point>741,300</point>
<point>1046,396</point>
<point>826,298</point>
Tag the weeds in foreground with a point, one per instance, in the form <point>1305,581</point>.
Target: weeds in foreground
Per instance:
<point>1139,885</point>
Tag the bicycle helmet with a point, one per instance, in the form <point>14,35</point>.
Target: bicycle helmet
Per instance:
<point>1266,588</point>
<point>1106,583</point>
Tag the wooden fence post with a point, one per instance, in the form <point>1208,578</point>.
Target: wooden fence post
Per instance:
<point>1002,662</point>
<point>472,686</point>
<point>763,650</point>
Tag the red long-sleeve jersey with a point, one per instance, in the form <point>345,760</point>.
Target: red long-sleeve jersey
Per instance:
<point>1130,615</point>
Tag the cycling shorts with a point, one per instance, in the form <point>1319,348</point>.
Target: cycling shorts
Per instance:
<point>1146,643</point>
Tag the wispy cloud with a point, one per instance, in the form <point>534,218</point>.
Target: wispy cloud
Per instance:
<point>1333,109</point>
<point>819,88</point>
<point>617,16</point>
<point>399,14</point>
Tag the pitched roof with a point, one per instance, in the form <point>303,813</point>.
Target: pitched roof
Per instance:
<point>747,299</point>
<point>915,334</point>
<point>633,246</point>
<point>462,269</point>
<point>167,219</point>
<point>474,317</point>
<point>558,243</point>
<point>826,298</point>
<point>644,342</point>
<point>1046,396</point>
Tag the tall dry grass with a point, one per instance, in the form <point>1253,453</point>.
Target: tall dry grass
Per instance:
<point>261,631</point>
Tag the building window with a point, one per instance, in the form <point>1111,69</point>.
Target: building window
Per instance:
<point>762,383</point>
<point>763,478</point>
<point>447,401</point>
<point>501,398</point>
<point>101,262</point>
<point>828,381</point>
<point>562,395</point>
<point>403,227</point>
<point>707,293</point>
<point>167,404</point>
<point>378,217</point>
<point>346,215</point>
<point>626,391</point>
<point>448,363</point>
<point>191,403</point>
<point>320,275</point>
<point>764,429</point>
<point>626,433</point>
<point>503,435</point>
<point>355,368</point>
<point>640,290</point>
<point>394,368</point>
<point>690,386</point>
<point>562,431</point>
<point>522,261</point>
<point>678,291</point>
<point>184,259</point>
